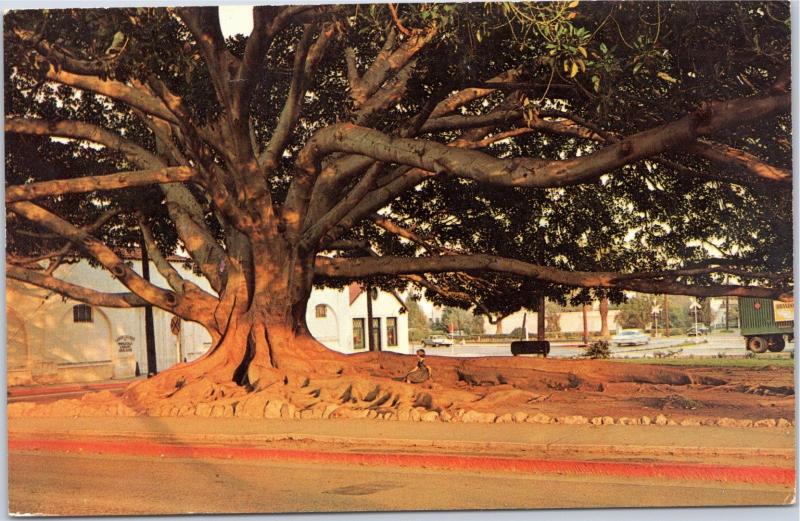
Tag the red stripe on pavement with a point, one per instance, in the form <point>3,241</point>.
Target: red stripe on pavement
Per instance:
<point>681,471</point>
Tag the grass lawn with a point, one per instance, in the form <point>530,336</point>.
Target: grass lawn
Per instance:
<point>711,361</point>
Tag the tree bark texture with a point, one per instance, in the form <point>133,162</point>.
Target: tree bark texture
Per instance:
<point>604,331</point>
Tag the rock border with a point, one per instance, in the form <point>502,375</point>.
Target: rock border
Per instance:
<point>257,407</point>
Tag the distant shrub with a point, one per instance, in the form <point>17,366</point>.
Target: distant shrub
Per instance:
<point>599,349</point>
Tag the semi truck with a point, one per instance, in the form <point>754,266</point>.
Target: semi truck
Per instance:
<point>766,324</point>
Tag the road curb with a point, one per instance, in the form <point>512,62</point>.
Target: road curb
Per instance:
<point>63,389</point>
<point>660,470</point>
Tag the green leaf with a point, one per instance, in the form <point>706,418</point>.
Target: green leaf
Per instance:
<point>666,77</point>
<point>574,70</point>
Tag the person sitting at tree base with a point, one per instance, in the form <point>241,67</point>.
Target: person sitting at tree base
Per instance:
<point>421,372</point>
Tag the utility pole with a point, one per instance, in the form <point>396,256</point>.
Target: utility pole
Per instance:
<point>727,307</point>
<point>540,317</point>
<point>666,315</point>
<point>370,336</point>
<point>149,330</point>
<point>585,325</point>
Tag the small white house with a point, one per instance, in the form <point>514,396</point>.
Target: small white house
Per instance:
<point>338,319</point>
<point>53,339</point>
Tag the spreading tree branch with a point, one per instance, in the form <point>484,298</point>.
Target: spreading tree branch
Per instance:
<point>135,97</point>
<point>306,59</point>
<point>268,21</point>
<point>198,307</point>
<point>102,253</point>
<point>203,22</point>
<point>438,158</point>
<point>740,161</point>
<point>364,267</point>
<point>85,131</point>
<point>116,181</point>
<point>75,292</point>
<point>181,204</point>
<point>163,266</point>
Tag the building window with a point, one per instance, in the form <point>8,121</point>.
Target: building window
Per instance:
<point>391,331</point>
<point>320,310</point>
<point>82,313</point>
<point>358,333</point>
<point>376,334</point>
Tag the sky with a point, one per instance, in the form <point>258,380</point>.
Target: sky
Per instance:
<point>236,19</point>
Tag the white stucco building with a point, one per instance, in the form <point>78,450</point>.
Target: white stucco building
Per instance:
<point>338,319</point>
<point>52,339</point>
<point>568,321</point>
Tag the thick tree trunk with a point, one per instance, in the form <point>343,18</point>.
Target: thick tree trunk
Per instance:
<point>498,328</point>
<point>604,331</point>
<point>260,338</point>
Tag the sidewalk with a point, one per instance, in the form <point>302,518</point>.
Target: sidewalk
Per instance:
<point>68,388</point>
<point>244,430</point>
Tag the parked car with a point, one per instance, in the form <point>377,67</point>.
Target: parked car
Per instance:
<point>632,337</point>
<point>701,330</point>
<point>437,340</point>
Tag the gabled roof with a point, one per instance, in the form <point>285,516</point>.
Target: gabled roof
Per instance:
<point>355,289</point>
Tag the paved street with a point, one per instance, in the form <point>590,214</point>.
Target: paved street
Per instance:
<point>69,484</point>
<point>109,467</point>
<point>729,344</point>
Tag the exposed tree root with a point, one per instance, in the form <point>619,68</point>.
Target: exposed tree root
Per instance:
<point>369,385</point>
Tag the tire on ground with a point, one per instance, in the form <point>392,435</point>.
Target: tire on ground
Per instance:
<point>776,344</point>
<point>757,344</point>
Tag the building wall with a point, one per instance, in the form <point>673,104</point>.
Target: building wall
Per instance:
<point>335,330</point>
<point>50,346</point>
<point>569,321</point>
<point>46,345</point>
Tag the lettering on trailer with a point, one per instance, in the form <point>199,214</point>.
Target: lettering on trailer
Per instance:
<point>784,311</point>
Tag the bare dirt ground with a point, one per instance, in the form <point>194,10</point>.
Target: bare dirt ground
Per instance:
<point>593,388</point>
<point>498,389</point>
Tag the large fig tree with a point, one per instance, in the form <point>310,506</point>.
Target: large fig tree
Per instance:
<point>486,154</point>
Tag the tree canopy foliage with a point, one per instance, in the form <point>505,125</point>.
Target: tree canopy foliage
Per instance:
<point>486,154</point>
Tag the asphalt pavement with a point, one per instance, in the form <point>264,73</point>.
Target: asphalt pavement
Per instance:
<point>715,344</point>
<point>82,466</point>
<point>73,484</point>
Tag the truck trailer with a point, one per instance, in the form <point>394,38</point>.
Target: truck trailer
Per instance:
<point>766,324</point>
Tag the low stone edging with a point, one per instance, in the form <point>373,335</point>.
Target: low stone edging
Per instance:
<point>260,407</point>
